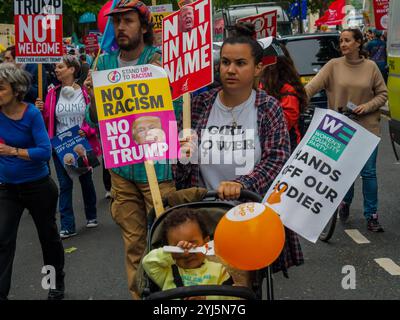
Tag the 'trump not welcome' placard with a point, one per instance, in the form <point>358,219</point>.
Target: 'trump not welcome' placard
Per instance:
<point>38,31</point>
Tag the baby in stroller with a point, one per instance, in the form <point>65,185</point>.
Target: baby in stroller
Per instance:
<point>156,271</point>
<point>184,228</point>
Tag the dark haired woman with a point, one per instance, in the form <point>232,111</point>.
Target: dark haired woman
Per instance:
<point>244,141</point>
<point>63,109</point>
<point>282,81</point>
<point>353,78</point>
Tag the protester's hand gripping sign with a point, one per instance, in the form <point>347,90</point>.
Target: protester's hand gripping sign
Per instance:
<point>38,31</point>
<point>187,48</point>
<point>319,173</point>
<point>136,116</point>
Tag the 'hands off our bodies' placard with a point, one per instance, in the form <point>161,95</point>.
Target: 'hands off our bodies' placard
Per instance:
<point>319,173</point>
<point>136,115</point>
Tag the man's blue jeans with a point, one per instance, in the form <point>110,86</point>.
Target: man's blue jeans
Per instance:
<point>369,187</point>
<point>65,200</point>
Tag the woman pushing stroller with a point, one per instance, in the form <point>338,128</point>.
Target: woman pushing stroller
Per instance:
<point>243,138</point>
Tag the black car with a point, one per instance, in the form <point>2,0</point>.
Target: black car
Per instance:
<point>310,52</point>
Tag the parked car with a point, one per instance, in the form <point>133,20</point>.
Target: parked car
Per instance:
<point>310,52</point>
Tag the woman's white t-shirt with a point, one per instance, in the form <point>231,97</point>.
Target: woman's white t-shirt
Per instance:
<point>230,145</point>
<point>70,111</point>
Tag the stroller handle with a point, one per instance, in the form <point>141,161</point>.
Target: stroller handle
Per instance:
<point>245,196</point>
<point>204,290</point>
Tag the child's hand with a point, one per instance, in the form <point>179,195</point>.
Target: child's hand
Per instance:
<point>186,245</point>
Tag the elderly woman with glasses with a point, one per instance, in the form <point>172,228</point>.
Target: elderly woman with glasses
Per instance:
<point>24,179</point>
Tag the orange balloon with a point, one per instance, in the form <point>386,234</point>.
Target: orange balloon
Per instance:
<point>250,236</point>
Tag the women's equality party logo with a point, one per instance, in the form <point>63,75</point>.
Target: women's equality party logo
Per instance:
<point>332,137</point>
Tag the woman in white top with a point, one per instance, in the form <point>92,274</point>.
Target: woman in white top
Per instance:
<point>63,109</point>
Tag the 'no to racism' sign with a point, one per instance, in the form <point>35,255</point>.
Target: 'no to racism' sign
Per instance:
<point>38,31</point>
<point>136,115</point>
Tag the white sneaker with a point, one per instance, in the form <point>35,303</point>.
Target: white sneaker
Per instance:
<point>108,195</point>
<point>91,224</point>
<point>65,234</point>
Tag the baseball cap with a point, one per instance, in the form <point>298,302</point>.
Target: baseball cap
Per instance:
<point>377,32</point>
<point>131,5</point>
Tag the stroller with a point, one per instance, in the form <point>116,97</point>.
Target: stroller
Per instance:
<point>212,210</point>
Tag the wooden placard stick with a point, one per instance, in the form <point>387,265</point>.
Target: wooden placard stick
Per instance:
<point>154,187</point>
<point>40,81</point>
<point>94,66</point>
<point>187,118</point>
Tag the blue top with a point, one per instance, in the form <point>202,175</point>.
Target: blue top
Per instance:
<point>28,133</point>
<point>377,52</point>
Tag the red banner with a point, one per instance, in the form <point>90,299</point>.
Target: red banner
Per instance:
<point>334,15</point>
<point>265,24</point>
<point>187,48</point>
<point>91,43</point>
<point>381,10</point>
<point>38,31</point>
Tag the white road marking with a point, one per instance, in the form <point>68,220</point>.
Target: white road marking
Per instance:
<point>357,236</point>
<point>389,266</point>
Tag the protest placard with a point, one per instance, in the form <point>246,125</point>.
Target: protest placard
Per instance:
<point>91,43</point>
<point>38,31</point>
<point>167,7</point>
<point>265,26</point>
<point>381,12</point>
<point>136,116</point>
<point>265,23</point>
<point>74,152</point>
<point>7,35</point>
<point>219,29</point>
<point>187,48</point>
<point>319,173</point>
<point>157,17</point>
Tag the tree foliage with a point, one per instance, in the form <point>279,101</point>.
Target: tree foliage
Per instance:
<point>72,9</point>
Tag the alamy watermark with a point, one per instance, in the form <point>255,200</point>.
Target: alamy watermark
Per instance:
<point>349,280</point>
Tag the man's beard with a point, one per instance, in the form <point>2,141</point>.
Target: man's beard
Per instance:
<point>132,44</point>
